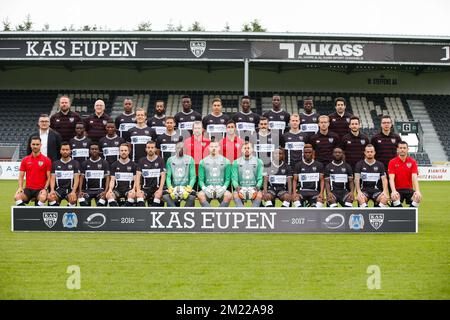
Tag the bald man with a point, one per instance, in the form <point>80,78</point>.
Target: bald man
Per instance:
<point>95,124</point>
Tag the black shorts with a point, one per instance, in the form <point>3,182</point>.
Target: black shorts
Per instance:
<point>92,194</point>
<point>406,195</point>
<point>31,194</point>
<point>276,192</point>
<point>62,193</point>
<point>121,194</point>
<point>149,194</point>
<point>372,194</point>
<point>340,196</point>
<point>308,197</point>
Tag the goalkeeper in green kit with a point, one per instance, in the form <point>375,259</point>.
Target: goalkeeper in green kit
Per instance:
<point>214,175</point>
<point>180,178</point>
<point>247,177</point>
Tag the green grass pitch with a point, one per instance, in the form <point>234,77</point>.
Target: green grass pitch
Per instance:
<point>230,266</point>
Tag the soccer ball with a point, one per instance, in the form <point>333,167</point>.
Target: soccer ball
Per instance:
<point>247,193</point>
<point>179,193</point>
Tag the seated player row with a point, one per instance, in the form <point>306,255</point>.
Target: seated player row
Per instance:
<point>126,183</point>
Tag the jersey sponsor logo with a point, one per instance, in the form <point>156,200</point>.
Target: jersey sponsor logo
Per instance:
<point>376,220</point>
<point>70,220</point>
<point>50,218</point>
<point>356,222</point>
<point>198,48</point>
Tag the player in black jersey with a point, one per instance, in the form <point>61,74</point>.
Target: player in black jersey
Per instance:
<point>278,181</point>
<point>166,142</point>
<point>80,144</point>
<point>150,178</point>
<point>308,118</point>
<point>65,178</point>
<point>278,118</point>
<point>110,143</point>
<point>308,183</point>
<point>339,181</point>
<point>126,120</point>
<point>246,120</point>
<point>186,118</point>
<point>370,180</point>
<point>140,135</point>
<point>265,144</point>
<point>158,121</point>
<point>215,123</point>
<point>94,179</point>
<point>123,178</point>
<point>293,141</point>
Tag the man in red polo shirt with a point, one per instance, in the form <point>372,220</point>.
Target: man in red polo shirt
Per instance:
<point>36,167</point>
<point>403,179</point>
<point>197,145</point>
<point>231,145</point>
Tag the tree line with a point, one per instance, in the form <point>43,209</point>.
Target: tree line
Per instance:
<point>28,25</point>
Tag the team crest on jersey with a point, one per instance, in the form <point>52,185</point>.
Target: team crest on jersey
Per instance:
<point>409,165</point>
<point>250,118</point>
<point>282,117</point>
<point>84,144</point>
<point>331,140</point>
<point>363,141</point>
<point>99,166</point>
<point>314,168</point>
<point>379,141</point>
<point>40,163</point>
<point>105,122</point>
<point>348,120</point>
<point>375,168</point>
<point>129,168</point>
<point>156,164</point>
<point>116,143</point>
<point>71,119</point>
<point>349,142</point>
<point>198,48</point>
<point>317,141</point>
<point>333,120</point>
<point>69,166</point>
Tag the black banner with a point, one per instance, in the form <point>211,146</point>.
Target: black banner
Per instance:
<point>228,50</point>
<point>233,219</point>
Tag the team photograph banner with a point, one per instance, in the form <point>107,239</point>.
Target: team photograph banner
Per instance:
<point>192,49</point>
<point>215,220</point>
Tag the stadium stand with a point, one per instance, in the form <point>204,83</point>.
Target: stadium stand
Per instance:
<point>20,109</point>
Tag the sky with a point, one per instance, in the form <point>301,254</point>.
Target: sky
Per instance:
<point>398,17</point>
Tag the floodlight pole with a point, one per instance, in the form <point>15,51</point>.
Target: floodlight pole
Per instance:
<point>246,77</point>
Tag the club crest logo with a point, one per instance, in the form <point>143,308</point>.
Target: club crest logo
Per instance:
<point>356,222</point>
<point>198,48</point>
<point>393,140</point>
<point>376,220</point>
<point>363,142</point>
<point>40,163</point>
<point>331,140</point>
<point>409,165</point>
<point>50,218</point>
<point>70,220</point>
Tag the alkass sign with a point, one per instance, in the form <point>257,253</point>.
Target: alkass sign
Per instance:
<point>226,49</point>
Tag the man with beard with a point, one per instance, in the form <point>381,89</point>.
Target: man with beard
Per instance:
<point>185,118</point>
<point>370,180</point>
<point>340,120</point>
<point>123,179</point>
<point>308,118</point>
<point>94,179</point>
<point>247,177</point>
<point>278,118</point>
<point>246,120</point>
<point>166,142</point>
<point>64,120</point>
<point>95,123</point>
<point>265,145</point>
<point>215,123</point>
<point>150,178</point>
<point>65,178</point>
<point>339,181</point>
<point>158,121</point>
<point>324,141</point>
<point>354,143</point>
<point>308,182</point>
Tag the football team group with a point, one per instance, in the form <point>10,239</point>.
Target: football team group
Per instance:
<point>302,159</point>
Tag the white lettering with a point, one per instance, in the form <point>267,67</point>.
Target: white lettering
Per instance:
<point>155,219</point>
<point>60,48</point>
<point>237,220</point>
<point>76,49</point>
<point>290,47</point>
<point>174,219</point>
<point>31,45</point>
<point>206,220</point>
<point>189,217</point>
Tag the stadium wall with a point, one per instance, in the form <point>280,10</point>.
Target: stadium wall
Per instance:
<point>183,78</point>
